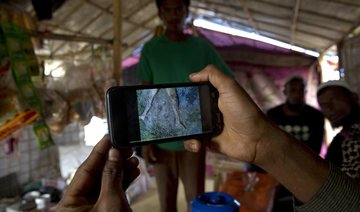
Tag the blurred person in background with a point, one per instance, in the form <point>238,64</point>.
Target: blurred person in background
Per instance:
<point>340,106</point>
<point>296,117</point>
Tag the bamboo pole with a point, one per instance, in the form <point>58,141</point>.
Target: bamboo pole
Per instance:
<point>295,21</point>
<point>63,37</point>
<point>117,57</point>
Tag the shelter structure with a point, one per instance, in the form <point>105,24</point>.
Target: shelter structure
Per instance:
<point>68,48</point>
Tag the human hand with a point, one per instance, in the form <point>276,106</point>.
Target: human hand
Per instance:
<point>100,182</point>
<point>244,123</point>
<point>148,153</point>
<point>248,135</point>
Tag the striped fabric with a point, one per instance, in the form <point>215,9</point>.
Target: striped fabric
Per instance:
<point>338,193</point>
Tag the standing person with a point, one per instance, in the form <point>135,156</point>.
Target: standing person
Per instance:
<point>340,105</point>
<point>303,122</point>
<point>170,58</point>
<point>296,117</point>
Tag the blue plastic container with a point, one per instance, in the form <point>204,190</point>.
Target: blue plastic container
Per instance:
<point>214,202</point>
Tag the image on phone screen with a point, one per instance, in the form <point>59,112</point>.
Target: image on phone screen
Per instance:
<point>169,112</point>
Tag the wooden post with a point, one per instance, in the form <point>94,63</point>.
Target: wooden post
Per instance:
<point>117,21</point>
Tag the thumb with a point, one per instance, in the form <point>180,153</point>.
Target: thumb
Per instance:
<point>111,184</point>
<point>112,175</point>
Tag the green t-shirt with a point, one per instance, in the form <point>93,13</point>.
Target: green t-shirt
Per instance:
<point>166,61</point>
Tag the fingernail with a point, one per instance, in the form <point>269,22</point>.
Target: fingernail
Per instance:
<point>193,147</point>
<point>193,74</point>
<point>114,155</point>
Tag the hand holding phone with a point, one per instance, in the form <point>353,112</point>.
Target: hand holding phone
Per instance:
<point>139,115</point>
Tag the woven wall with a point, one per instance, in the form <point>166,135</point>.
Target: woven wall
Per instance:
<point>29,162</point>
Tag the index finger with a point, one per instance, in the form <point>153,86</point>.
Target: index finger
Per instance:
<point>192,145</point>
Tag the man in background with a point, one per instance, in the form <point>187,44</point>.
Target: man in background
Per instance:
<point>340,106</point>
<point>170,58</point>
<point>296,117</point>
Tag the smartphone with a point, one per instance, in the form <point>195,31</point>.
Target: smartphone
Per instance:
<point>148,114</point>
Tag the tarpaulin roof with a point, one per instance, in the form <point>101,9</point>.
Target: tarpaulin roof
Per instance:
<point>312,24</point>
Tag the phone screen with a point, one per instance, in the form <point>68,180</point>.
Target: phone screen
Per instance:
<point>148,114</point>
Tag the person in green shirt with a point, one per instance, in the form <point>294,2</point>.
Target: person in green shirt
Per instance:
<point>170,58</point>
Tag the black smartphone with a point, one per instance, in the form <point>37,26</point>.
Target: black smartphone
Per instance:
<point>147,114</point>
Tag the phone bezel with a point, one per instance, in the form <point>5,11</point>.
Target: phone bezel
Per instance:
<point>116,109</point>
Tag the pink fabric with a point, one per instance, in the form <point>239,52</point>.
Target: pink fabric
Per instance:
<point>130,61</point>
